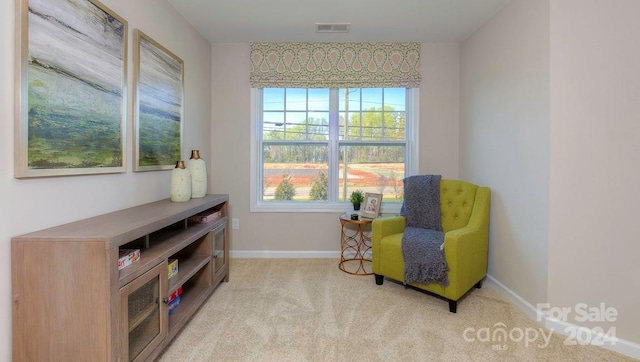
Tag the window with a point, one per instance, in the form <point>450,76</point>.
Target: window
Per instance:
<point>314,146</point>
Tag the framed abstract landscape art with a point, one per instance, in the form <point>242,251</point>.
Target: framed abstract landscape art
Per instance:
<point>71,77</point>
<point>158,105</point>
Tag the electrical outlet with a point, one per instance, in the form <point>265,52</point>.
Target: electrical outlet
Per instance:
<point>235,223</point>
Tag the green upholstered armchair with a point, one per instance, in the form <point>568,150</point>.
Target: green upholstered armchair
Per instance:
<point>464,209</point>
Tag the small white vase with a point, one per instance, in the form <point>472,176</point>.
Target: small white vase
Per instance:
<point>198,169</point>
<point>180,189</point>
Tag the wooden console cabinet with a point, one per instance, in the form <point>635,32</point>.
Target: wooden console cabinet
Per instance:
<point>72,303</point>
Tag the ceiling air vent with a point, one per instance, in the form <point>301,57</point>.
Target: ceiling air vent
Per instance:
<point>332,28</point>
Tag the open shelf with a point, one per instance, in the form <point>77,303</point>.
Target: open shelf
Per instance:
<point>165,242</point>
<point>186,270</point>
<point>195,291</point>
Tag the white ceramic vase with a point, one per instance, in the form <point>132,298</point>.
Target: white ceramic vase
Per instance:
<point>198,169</point>
<point>180,189</point>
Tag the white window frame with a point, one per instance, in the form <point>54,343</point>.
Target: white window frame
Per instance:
<point>258,205</point>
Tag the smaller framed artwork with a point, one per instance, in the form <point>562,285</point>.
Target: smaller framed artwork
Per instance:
<point>371,205</point>
<point>158,105</point>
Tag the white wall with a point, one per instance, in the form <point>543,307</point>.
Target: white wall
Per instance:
<point>504,139</point>
<point>305,233</point>
<point>32,204</point>
<point>550,120</point>
<point>439,109</point>
<point>594,248</point>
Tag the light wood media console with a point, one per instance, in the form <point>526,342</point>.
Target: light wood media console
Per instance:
<point>72,303</point>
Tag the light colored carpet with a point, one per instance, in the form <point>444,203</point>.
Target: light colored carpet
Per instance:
<point>309,310</point>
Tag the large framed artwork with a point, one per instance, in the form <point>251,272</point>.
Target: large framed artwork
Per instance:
<point>71,80</point>
<point>159,97</point>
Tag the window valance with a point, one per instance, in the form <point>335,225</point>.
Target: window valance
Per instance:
<point>335,65</point>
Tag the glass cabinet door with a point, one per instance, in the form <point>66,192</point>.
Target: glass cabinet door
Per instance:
<point>144,314</point>
<point>219,246</point>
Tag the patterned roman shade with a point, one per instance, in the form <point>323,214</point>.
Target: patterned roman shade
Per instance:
<point>335,65</point>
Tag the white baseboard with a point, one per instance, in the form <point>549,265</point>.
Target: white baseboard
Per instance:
<point>274,254</point>
<point>619,345</point>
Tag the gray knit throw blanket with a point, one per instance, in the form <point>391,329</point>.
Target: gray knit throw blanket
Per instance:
<point>423,236</point>
<point>423,260</point>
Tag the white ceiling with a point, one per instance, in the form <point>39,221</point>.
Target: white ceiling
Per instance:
<point>424,21</point>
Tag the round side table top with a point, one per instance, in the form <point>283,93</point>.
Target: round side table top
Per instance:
<point>361,220</point>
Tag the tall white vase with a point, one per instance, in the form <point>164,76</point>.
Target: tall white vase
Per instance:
<point>198,169</point>
<point>180,189</point>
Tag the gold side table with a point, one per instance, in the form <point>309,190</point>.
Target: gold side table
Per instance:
<point>356,244</point>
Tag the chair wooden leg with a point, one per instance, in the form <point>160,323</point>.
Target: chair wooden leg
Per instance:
<point>478,284</point>
<point>453,306</point>
<point>379,279</point>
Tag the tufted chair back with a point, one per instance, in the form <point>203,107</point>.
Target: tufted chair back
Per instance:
<point>456,203</point>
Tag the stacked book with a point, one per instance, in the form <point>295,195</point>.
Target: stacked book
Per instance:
<point>206,216</point>
<point>128,257</point>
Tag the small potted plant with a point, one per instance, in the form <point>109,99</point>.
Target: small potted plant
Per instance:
<point>356,198</point>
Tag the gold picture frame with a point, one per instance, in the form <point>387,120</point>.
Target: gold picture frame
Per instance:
<point>71,82</point>
<point>371,205</point>
<point>158,105</point>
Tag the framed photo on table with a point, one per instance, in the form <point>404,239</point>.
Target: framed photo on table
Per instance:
<point>371,205</point>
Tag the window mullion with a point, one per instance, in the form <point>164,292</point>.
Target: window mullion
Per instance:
<point>334,159</point>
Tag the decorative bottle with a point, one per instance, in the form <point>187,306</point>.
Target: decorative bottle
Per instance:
<point>198,169</point>
<point>180,188</point>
